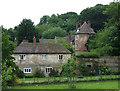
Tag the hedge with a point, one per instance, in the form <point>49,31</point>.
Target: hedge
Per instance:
<point>88,55</point>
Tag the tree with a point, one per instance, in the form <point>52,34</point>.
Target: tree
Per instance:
<point>70,70</point>
<point>52,32</point>
<point>44,19</point>
<point>95,16</point>
<point>26,29</point>
<point>9,67</point>
<point>42,28</point>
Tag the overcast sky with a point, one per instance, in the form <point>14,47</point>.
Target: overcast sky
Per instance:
<point>14,11</point>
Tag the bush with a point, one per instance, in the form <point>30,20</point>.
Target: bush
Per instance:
<point>88,55</point>
<point>38,73</point>
<point>53,73</point>
<point>20,73</point>
<point>28,76</point>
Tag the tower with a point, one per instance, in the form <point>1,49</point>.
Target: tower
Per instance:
<point>81,37</point>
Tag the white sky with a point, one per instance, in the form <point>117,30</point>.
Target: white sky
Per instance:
<point>13,11</point>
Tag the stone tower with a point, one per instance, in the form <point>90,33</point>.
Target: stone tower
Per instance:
<point>81,37</point>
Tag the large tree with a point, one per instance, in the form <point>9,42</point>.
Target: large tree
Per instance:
<point>26,29</point>
<point>95,16</point>
<point>54,31</point>
<point>107,40</point>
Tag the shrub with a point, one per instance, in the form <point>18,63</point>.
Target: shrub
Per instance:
<point>38,73</point>
<point>53,73</point>
<point>88,55</point>
<point>28,76</point>
<point>20,73</point>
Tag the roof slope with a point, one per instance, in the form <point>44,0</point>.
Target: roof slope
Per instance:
<point>85,29</point>
<point>50,48</point>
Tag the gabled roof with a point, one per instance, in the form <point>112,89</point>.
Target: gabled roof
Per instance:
<point>85,29</point>
<point>44,48</point>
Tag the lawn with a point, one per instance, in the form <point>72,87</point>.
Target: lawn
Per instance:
<point>62,79</point>
<point>81,85</point>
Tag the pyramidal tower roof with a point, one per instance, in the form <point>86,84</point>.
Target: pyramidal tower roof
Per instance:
<point>85,28</point>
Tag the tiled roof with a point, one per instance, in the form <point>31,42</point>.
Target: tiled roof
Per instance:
<point>50,48</point>
<point>45,40</point>
<point>67,38</point>
<point>85,29</point>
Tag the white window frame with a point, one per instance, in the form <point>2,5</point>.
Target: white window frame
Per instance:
<point>28,70</point>
<point>77,36</point>
<point>44,57</point>
<point>59,56</point>
<point>24,56</point>
<point>48,69</point>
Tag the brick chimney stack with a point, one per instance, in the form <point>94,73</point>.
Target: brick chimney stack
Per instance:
<point>34,41</point>
<point>76,25</point>
<point>69,36</point>
<point>80,24</point>
<point>89,24</point>
<point>15,41</point>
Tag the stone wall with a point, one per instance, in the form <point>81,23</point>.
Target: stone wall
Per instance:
<point>34,61</point>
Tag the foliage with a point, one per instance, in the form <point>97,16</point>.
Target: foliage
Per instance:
<point>8,76</point>
<point>52,32</point>
<point>7,47</point>
<point>54,73</point>
<point>20,73</point>
<point>88,55</point>
<point>69,68</point>
<point>42,28</point>
<point>38,73</point>
<point>95,16</point>
<point>105,70</point>
<point>106,41</point>
<point>26,29</point>
<point>9,68</point>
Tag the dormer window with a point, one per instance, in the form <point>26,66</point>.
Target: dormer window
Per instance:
<point>22,57</point>
<point>60,57</point>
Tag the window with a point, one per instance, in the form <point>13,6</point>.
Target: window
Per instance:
<point>48,69</point>
<point>76,52</point>
<point>22,57</point>
<point>77,37</point>
<point>44,57</point>
<point>27,70</point>
<point>60,57</point>
<point>76,46</point>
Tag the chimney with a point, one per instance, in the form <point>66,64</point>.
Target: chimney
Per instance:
<point>15,41</point>
<point>69,36</point>
<point>34,41</point>
<point>80,24</point>
<point>76,25</point>
<point>89,24</point>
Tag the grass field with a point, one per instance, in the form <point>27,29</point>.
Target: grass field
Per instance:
<point>62,79</point>
<point>82,85</point>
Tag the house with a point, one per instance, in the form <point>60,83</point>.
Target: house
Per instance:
<point>45,56</point>
<point>83,33</point>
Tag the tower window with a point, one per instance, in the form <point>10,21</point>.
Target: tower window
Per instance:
<point>77,37</point>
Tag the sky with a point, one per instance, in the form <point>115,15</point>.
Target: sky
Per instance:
<point>14,11</point>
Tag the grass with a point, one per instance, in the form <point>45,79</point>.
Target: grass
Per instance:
<point>62,79</point>
<point>82,85</point>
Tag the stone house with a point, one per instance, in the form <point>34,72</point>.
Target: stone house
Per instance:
<point>45,56</point>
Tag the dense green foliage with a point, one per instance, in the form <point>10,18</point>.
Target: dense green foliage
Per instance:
<point>95,16</point>
<point>54,73</point>
<point>26,30</point>
<point>55,31</point>
<point>88,55</point>
<point>38,73</point>
<point>106,42</point>
<point>8,66</point>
